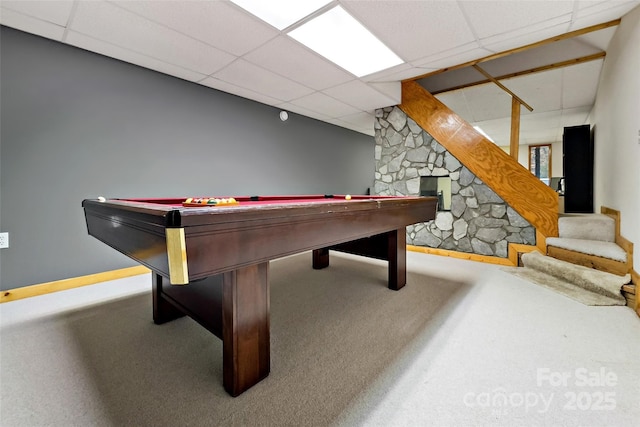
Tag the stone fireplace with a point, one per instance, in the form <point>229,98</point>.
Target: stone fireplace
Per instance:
<point>439,187</point>
<point>478,220</point>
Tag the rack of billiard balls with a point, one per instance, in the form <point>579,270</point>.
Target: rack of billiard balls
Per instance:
<point>209,201</point>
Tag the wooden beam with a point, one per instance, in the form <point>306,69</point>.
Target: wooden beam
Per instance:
<point>540,69</point>
<point>514,142</point>
<point>503,87</point>
<point>554,39</point>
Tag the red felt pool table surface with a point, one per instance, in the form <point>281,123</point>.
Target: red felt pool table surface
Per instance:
<point>222,254</point>
<point>248,201</point>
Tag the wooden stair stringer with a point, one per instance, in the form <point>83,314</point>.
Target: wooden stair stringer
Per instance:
<point>625,244</point>
<point>515,250</point>
<point>590,261</point>
<point>635,280</point>
<point>526,194</point>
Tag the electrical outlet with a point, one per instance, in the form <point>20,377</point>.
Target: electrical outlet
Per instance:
<point>4,240</point>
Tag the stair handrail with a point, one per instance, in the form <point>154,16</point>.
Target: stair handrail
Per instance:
<point>526,194</point>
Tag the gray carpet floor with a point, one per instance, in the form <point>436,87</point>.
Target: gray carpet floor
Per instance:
<point>463,344</point>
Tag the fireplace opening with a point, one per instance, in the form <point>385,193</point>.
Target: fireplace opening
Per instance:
<point>437,186</point>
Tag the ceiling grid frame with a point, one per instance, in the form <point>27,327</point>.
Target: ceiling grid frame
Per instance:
<point>388,20</point>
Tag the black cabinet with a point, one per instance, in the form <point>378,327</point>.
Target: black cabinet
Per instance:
<point>577,161</point>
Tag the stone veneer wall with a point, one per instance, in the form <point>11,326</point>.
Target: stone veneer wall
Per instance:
<point>479,220</point>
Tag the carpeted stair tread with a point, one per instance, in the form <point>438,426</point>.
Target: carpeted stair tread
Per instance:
<point>586,285</point>
<point>564,288</point>
<point>587,227</point>
<point>599,248</point>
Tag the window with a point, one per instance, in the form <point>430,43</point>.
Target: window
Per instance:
<point>540,161</point>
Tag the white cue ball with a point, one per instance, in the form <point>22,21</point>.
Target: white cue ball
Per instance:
<point>102,199</point>
<point>348,197</point>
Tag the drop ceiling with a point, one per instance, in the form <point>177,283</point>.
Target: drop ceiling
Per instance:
<point>219,45</point>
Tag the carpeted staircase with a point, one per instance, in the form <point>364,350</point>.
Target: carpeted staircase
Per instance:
<point>589,240</point>
<point>589,261</point>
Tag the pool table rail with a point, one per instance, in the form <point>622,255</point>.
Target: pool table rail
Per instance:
<point>227,238</point>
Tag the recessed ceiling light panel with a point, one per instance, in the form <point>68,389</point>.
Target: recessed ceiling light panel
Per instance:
<point>343,40</point>
<point>281,13</point>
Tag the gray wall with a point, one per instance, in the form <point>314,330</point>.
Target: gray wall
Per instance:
<point>77,125</point>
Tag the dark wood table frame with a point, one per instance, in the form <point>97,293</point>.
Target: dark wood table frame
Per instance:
<point>223,254</point>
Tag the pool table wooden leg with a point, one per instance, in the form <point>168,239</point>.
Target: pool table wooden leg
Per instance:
<point>397,257</point>
<point>245,327</point>
<point>163,310</point>
<point>390,246</point>
<point>320,258</point>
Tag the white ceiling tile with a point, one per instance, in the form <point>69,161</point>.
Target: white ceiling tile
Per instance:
<point>451,79</point>
<point>362,120</point>
<point>539,128</point>
<point>580,84</point>
<point>106,49</point>
<point>117,26</point>
<point>249,76</point>
<point>360,95</point>
<point>288,58</point>
<point>541,56</point>
<point>387,74</point>
<point>398,75</point>
<point>304,111</point>
<point>534,128</point>
<point>542,91</point>
<point>457,102</point>
<point>455,56</point>
<point>526,35</point>
<point>491,18</point>
<point>201,40</point>
<point>53,11</point>
<point>392,89</point>
<point>487,102</point>
<point>30,24</point>
<point>598,39</point>
<point>216,23</point>
<point>239,91</point>
<point>281,13</point>
<point>324,104</point>
<point>594,6</point>
<point>597,12</point>
<point>574,116</point>
<point>413,29</point>
<point>532,121</point>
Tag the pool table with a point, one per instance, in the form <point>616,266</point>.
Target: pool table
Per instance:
<point>211,262</point>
